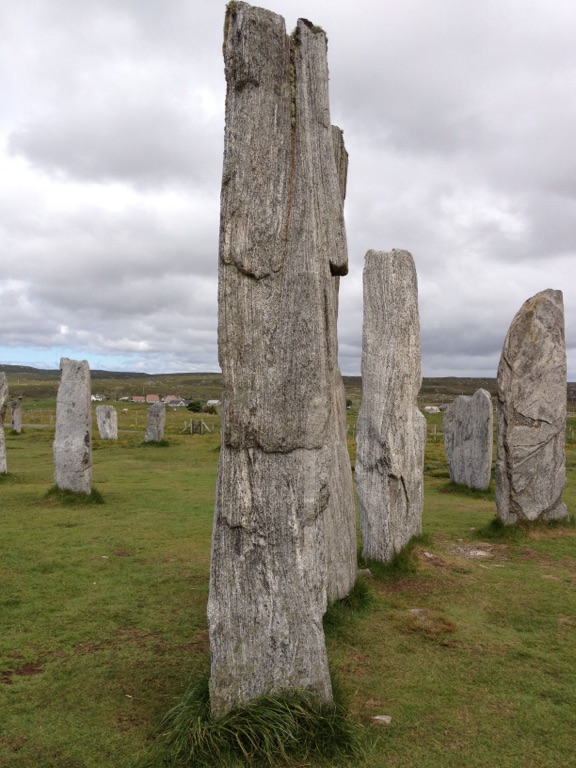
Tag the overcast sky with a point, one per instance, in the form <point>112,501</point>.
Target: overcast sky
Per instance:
<point>460,122</point>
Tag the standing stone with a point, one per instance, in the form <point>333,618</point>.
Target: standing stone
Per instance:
<point>531,409</point>
<point>156,423</point>
<point>107,420</point>
<point>3,408</point>
<point>282,239</point>
<point>73,437</point>
<point>391,434</point>
<point>16,413</point>
<point>340,526</point>
<point>468,436</point>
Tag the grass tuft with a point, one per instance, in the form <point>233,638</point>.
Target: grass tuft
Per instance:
<point>403,563</point>
<point>498,530</point>
<point>68,498</point>
<point>282,729</point>
<point>6,477</point>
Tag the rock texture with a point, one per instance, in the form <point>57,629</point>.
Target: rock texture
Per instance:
<point>73,437</point>
<point>282,240</point>
<point>107,420</point>
<point>156,423</point>
<point>391,433</point>
<point>468,434</point>
<point>3,409</point>
<point>531,409</point>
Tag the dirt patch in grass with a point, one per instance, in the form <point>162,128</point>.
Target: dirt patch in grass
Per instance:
<point>27,670</point>
<point>426,622</point>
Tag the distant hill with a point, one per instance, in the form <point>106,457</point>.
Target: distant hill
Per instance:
<point>42,384</point>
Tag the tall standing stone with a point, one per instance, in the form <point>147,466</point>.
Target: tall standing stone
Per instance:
<point>156,423</point>
<point>391,434</point>
<point>3,409</point>
<point>468,435</point>
<point>16,414</point>
<point>531,409</point>
<point>73,436</point>
<point>107,421</point>
<point>282,239</point>
<point>340,526</point>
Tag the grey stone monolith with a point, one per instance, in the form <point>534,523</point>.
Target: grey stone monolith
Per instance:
<point>468,435</point>
<point>282,239</point>
<point>531,411</point>
<point>340,525</point>
<point>73,437</point>
<point>156,423</point>
<point>3,409</point>
<point>391,431</point>
<point>107,421</point>
<point>16,415</point>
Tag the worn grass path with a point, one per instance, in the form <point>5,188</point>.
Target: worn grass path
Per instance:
<point>102,615</point>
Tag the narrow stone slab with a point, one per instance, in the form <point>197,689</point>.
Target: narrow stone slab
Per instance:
<point>468,435</point>
<point>282,241</point>
<point>391,433</point>
<point>107,421</point>
<point>156,423</point>
<point>3,410</point>
<point>531,409</point>
<point>73,437</point>
<point>16,414</point>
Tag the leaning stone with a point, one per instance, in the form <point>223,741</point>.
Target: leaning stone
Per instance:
<point>107,420</point>
<point>282,239</point>
<point>531,409</point>
<point>73,437</point>
<point>3,409</point>
<point>468,437</point>
<point>391,433</point>
<point>156,423</point>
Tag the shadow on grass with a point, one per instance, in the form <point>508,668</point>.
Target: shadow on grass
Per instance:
<point>155,444</point>
<point>62,497</point>
<point>284,729</point>
<point>341,615</point>
<point>7,478</point>
<point>471,493</point>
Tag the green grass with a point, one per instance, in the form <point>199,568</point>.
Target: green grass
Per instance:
<point>469,647</point>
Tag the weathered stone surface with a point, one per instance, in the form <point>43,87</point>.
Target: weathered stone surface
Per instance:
<point>73,437</point>
<point>391,433</point>
<point>467,426</point>
<point>3,409</point>
<point>16,414</point>
<point>156,423</point>
<point>107,420</point>
<point>531,410</point>
<point>282,239</point>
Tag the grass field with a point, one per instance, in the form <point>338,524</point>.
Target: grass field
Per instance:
<point>471,651</point>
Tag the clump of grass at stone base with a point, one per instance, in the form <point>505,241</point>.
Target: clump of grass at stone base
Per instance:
<point>282,729</point>
<point>66,498</point>
<point>402,564</point>
<point>497,529</point>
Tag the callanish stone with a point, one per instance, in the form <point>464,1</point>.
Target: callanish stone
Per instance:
<point>468,436</point>
<point>73,436</point>
<point>531,409</point>
<point>3,409</point>
<point>391,432</point>
<point>156,423</point>
<point>282,240</point>
<point>107,420</point>
<point>16,412</point>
